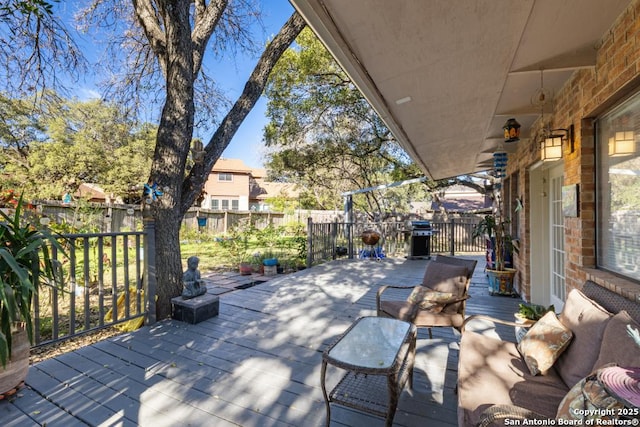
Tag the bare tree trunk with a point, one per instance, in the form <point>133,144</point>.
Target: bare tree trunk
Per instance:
<point>172,147</point>
<point>174,140</point>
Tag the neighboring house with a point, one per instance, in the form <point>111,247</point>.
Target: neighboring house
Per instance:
<point>460,198</point>
<point>91,193</point>
<point>232,185</point>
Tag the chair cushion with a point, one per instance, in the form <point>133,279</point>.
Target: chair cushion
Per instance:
<point>406,311</point>
<point>428,318</point>
<point>447,278</point>
<point>587,320</point>
<point>470,264</point>
<point>617,345</point>
<point>543,343</point>
<point>401,310</point>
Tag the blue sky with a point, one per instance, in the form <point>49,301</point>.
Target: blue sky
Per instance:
<point>247,144</point>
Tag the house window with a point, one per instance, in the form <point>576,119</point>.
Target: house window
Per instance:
<point>511,204</point>
<point>618,189</point>
<point>227,177</point>
<point>225,205</point>
<point>235,205</point>
<point>215,204</point>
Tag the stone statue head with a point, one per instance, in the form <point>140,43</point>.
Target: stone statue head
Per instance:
<point>192,262</point>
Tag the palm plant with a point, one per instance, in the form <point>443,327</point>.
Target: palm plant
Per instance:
<point>25,262</point>
<point>495,229</point>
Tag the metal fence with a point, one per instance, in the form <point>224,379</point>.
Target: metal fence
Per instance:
<point>329,241</point>
<point>102,286</point>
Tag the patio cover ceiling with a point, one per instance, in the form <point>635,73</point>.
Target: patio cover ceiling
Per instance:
<point>445,75</point>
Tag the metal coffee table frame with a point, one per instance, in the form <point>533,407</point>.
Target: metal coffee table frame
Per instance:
<point>365,387</point>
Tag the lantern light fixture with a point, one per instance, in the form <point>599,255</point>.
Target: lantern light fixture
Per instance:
<point>511,130</point>
<point>551,146</point>
<point>622,144</point>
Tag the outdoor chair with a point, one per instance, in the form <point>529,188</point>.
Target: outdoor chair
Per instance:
<point>439,301</point>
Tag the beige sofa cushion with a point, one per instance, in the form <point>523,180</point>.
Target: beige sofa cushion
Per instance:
<point>544,343</point>
<point>617,345</point>
<point>587,320</point>
<point>491,371</point>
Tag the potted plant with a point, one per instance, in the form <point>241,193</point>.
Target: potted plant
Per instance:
<point>501,247</point>
<point>527,315</point>
<point>25,263</point>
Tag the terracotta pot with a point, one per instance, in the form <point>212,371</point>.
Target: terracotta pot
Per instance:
<point>245,269</point>
<point>14,373</point>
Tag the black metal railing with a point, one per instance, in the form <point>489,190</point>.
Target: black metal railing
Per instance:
<point>329,241</point>
<point>100,284</point>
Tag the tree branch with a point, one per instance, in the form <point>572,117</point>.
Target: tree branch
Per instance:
<point>232,121</point>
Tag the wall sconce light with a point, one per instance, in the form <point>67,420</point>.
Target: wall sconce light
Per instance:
<point>511,130</point>
<point>622,144</point>
<point>551,146</point>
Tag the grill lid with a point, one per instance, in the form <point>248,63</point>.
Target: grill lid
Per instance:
<point>422,225</point>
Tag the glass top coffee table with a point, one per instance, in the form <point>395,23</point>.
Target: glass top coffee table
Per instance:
<point>377,354</point>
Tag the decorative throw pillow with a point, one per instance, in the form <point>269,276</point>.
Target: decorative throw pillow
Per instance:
<point>425,298</point>
<point>588,400</point>
<point>544,343</point>
<point>617,344</point>
<point>587,321</point>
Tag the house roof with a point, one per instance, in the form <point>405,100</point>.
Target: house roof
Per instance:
<point>89,191</point>
<point>446,75</point>
<point>264,190</point>
<point>231,165</point>
<point>460,198</point>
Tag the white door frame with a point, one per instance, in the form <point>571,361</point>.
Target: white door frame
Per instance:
<point>556,254</point>
<point>539,212</point>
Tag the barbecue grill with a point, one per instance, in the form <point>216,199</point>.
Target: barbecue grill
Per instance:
<point>420,239</point>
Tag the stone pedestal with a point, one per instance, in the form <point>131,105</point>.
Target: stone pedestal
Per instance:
<point>196,309</point>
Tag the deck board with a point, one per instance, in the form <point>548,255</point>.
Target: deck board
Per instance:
<point>256,364</point>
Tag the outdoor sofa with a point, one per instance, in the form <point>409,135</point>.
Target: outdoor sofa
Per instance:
<point>495,384</point>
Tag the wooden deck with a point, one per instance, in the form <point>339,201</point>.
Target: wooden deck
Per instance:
<point>257,364</point>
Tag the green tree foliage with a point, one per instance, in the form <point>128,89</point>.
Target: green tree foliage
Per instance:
<point>19,127</point>
<point>72,142</point>
<point>625,186</point>
<point>326,138</point>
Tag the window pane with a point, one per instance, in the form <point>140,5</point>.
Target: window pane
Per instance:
<point>215,204</point>
<point>619,189</point>
<point>234,205</point>
<point>225,204</point>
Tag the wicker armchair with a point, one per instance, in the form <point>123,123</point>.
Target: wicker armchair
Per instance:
<point>444,274</point>
<point>503,412</point>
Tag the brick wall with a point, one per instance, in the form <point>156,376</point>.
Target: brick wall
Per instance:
<point>588,93</point>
